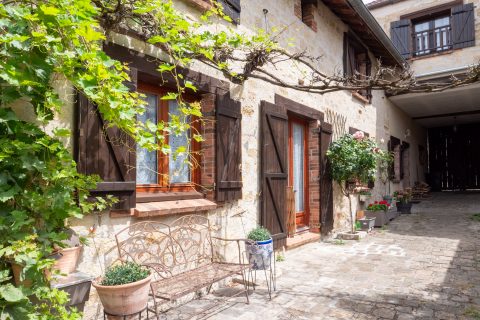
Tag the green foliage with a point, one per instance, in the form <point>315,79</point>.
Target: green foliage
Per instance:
<point>475,217</point>
<point>124,273</point>
<point>354,160</point>
<point>259,234</point>
<point>473,313</point>
<point>39,190</point>
<point>280,257</point>
<point>358,225</point>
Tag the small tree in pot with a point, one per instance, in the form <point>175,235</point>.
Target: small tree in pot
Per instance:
<point>124,289</point>
<point>260,248</point>
<point>354,159</point>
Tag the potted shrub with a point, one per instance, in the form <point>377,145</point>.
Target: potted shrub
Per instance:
<point>378,210</point>
<point>364,195</point>
<point>260,248</point>
<point>354,158</point>
<point>124,288</point>
<point>404,200</point>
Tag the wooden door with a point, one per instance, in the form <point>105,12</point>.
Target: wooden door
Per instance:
<point>326,182</point>
<point>298,170</point>
<point>274,170</point>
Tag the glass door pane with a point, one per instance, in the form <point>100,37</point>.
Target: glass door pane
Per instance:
<point>179,170</point>
<point>147,160</point>
<point>298,165</point>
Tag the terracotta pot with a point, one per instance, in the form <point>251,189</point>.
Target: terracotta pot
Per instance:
<point>17,269</point>
<point>67,259</point>
<point>125,299</point>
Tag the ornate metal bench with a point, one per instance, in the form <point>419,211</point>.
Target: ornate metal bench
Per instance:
<point>183,255</point>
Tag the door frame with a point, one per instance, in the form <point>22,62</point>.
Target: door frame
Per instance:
<point>291,120</point>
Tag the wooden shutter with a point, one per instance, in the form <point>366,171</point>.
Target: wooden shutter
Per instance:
<point>107,152</point>
<point>229,149</point>
<point>326,182</point>
<point>274,170</point>
<point>463,26</point>
<point>401,35</point>
<point>232,9</point>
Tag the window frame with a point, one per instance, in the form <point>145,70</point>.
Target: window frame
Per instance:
<point>162,184</point>
<point>430,19</point>
<point>358,49</point>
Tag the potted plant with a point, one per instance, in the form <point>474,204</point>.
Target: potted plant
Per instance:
<point>404,200</point>
<point>364,195</point>
<point>260,248</point>
<point>378,210</point>
<point>354,158</point>
<point>124,288</point>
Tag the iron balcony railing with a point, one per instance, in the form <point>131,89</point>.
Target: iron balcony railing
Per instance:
<point>432,40</point>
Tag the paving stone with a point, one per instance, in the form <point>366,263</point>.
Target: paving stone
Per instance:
<point>425,266</point>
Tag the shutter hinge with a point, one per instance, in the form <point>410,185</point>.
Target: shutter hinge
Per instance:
<point>214,186</point>
<point>80,132</point>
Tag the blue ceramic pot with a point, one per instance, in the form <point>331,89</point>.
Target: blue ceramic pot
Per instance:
<point>260,254</point>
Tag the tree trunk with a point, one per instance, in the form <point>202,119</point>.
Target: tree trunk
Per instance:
<point>352,217</point>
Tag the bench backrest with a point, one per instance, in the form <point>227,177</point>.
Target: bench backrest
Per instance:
<point>183,245</point>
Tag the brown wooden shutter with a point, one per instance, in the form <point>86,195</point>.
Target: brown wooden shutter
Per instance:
<point>463,26</point>
<point>401,35</point>
<point>274,170</point>
<point>326,182</point>
<point>107,152</point>
<point>229,149</point>
<point>232,9</point>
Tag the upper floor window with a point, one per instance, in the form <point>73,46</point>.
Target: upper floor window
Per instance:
<point>435,30</point>
<point>305,10</point>
<point>432,36</point>
<point>356,62</point>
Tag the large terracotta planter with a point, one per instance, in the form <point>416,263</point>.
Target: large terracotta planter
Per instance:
<point>125,299</point>
<point>67,259</point>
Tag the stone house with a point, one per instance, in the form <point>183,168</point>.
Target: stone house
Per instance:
<point>437,38</point>
<point>259,138</point>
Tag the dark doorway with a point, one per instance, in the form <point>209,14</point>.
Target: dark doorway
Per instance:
<point>454,157</point>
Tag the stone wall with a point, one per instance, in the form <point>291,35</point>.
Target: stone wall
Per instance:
<point>233,220</point>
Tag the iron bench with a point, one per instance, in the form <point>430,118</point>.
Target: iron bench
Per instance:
<point>183,255</point>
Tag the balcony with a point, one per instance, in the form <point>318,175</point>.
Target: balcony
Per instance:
<point>432,40</point>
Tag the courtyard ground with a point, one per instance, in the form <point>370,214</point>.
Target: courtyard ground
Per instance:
<point>422,266</point>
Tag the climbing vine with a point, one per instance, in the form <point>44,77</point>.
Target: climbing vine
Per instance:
<point>44,42</point>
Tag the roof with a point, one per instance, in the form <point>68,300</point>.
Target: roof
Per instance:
<point>381,3</point>
<point>356,15</point>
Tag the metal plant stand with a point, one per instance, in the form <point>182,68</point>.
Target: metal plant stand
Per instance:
<point>269,273</point>
<point>124,316</point>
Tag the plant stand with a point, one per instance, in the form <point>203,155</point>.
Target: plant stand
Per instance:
<point>107,315</point>
<point>269,272</point>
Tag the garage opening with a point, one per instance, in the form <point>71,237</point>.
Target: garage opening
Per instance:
<point>454,157</point>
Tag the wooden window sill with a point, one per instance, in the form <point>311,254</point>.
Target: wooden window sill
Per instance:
<point>164,208</point>
<point>431,55</point>
<point>200,4</point>
<point>362,99</point>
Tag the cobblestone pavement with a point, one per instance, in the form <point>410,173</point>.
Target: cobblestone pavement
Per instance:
<point>422,266</point>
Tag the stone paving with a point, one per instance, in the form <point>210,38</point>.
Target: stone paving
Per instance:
<point>422,266</point>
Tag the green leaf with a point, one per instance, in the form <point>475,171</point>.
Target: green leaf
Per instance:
<point>11,294</point>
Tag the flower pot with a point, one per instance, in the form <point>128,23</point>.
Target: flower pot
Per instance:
<point>67,259</point>
<point>404,208</point>
<point>380,216</point>
<point>363,197</point>
<point>367,223</point>
<point>125,299</point>
<point>388,198</point>
<point>260,254</point>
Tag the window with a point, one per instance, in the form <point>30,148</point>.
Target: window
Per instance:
<point>156,171</point>
<point>432,36</point>
<point>357,63</point>
<point>435,30</point>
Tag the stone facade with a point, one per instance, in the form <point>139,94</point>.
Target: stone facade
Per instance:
<point>380,119</point>
<point>448,60</point>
